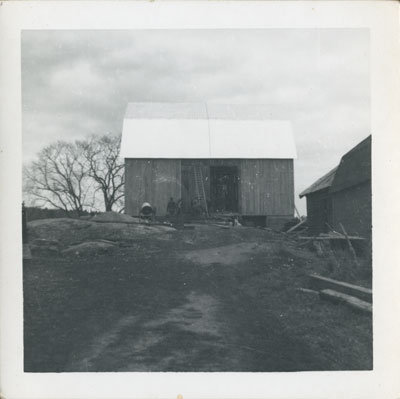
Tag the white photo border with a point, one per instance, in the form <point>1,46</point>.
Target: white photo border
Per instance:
<point>382,20</point>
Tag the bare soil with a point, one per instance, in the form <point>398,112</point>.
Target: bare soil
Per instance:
<point>207,299</point>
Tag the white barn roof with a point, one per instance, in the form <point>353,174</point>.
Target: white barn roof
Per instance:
<point>200,130</point>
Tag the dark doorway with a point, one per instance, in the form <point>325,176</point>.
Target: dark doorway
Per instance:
<point>224,188</point>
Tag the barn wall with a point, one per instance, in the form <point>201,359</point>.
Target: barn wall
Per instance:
<point>319,211</point>
<point>266,187</point>
<point>352,208</point>
<point>153,181</point>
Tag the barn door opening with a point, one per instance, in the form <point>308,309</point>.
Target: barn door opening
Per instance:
<point>224,188</point>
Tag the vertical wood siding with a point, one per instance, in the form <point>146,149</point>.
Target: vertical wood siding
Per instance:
<point>266,187</point>
<point>319,211</point>
<point>352,208</point>
<point>153,181</point>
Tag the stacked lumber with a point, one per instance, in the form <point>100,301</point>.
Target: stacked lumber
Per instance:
<point>333,235</point>
<point>320,282</point>
<point>357,297</point>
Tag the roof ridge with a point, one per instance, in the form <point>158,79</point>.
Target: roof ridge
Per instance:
<point>357,146</point>
<point>199,110</point>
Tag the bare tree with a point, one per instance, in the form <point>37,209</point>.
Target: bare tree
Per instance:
<point>60,178</point>
<point>106,168</point>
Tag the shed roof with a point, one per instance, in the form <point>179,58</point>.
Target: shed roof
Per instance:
<point>354,167</point>
<point>200,130</point>
<point>323,182</point>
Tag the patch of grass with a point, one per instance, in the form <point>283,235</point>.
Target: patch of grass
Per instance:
<point>264,323</point>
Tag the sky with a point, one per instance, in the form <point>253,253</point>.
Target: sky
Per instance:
<point>78,83</point>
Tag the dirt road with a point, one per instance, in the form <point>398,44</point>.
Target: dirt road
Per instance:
<point>179,306</point>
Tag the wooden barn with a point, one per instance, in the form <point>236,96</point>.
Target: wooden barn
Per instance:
<point>343,195</point>
<point>221,158</point>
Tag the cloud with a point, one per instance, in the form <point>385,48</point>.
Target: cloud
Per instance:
<point>75,83</point>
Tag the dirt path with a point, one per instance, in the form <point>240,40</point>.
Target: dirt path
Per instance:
<point>179,306</point>
<point>181,337</point>
<point>228,255</point>
<point>218,327</point>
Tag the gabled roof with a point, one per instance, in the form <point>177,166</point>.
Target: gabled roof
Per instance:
<point>200,130</point>
<point>354,167</point>
<point>322,183</point>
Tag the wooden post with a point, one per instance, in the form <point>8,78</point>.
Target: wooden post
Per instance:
<point>26,251</point>
<point>297,212</point>
<point>24,225</point>
<point>353,252</point>
<point>296,225</point>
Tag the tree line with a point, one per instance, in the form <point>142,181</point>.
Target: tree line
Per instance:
<point>77,176</point>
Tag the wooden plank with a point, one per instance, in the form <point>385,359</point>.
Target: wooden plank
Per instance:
<point>296,226</point>
<point>353,302</point>
<point>331,238</point>
<point>320,282</point>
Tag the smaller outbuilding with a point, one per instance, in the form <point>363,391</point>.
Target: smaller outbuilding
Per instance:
<point>343,195</point>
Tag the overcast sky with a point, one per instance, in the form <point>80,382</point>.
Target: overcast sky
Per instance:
<point>78,83</point>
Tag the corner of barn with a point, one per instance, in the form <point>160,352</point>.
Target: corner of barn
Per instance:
<point>343,195</point>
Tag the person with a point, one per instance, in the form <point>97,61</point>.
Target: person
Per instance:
<point>147,212</point>
<point>179,213</point>
<point>179,206</point>
<point>171,208</point>
<point>196,206</point>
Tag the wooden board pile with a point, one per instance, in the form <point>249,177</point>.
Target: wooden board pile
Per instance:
<point>358,298</point>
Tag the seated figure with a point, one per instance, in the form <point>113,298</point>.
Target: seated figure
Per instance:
<point>147,212</point>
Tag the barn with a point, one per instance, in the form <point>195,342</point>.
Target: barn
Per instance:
<point>219,158</point>
<point>343,195</point>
